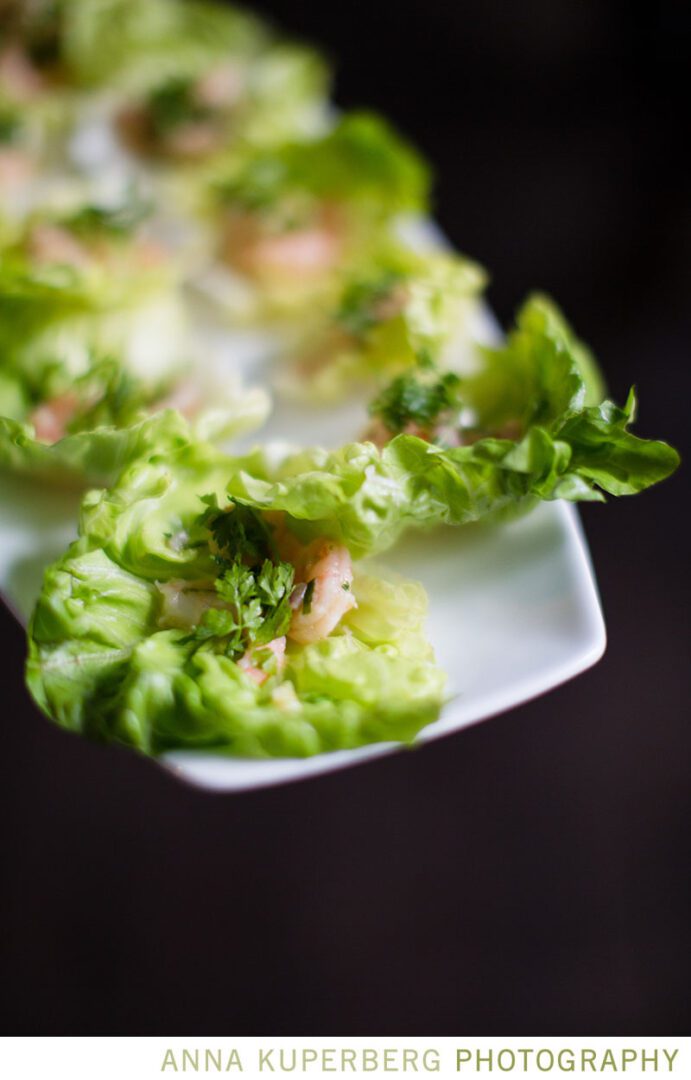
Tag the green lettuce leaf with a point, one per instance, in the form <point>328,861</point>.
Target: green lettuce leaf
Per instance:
<point>568,449</point>
<point>113,432</point>
<point>94,456</point>
<point>400,310</point>
<point>100,662</point>
<point>540,375</point>
<point>360,161</point>
<point>116,342</point>
<point>287,89</point>
<point>132,44</point>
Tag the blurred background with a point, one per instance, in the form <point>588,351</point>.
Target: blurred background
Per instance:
<point>530,875</point>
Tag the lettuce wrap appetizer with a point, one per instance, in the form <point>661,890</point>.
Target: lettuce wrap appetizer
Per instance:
<point>93,338</point>
<point>398,312</point>
<point>286,221</point>
<point>183,618</point>
<point>528,425</point>
<point>179,73</point>
<point>78,431</point>
<point>194,118</point>
<point>87,44</point>
<point>91,279</point>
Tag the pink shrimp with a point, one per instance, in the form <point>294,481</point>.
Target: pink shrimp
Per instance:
<point>52,244</point>
<point>220,88</point>
<point>300,253</point>
<point>246,662</point>
<point>331,570</point>
<point>194,140</point>
<point>185,397</point>
<point>16,168</point>
<point>50,419</point>
<point>18,76</point>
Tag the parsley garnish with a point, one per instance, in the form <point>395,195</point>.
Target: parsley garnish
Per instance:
<point>42,36</point>
<point>253,583</point>
<point>112,397</point>
<point>258,611</point>
<point>119,221</point>
<point>358,311</point>
<point>414,399</point>
<point>175,103</point>
<point>238,531</point>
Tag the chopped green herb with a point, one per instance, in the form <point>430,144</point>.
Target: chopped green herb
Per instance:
<point>414,399</point>
<point>238,530</point>
<point>307,598</point>
<point>42,36</point>
<point>117,221</point>
<point>258,608</point>
<point>175,103</point>
<point>364,300</point>
<point>112,397</point>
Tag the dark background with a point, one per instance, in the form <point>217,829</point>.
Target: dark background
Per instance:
<point>528,876</point>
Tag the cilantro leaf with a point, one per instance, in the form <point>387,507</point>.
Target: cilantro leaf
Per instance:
<point>113,221</point>
<point>363,302</point>
<point>414,399</point>
<point>238,531</point>
<point>175,103</point>
<point>258,610</point>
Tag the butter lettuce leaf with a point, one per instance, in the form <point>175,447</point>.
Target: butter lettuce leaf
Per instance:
<point>362,160</point>
<point>131,44</point>
<point>399,310</point>
<point>101,663</point>
<point>103,442</point>
<point>95,456</point>
<point>543,382</point>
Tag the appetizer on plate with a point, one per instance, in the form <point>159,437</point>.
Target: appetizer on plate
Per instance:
<point>528,425</point>
<point>181,618</point>
<point>194,118</point>
<point>177,78</point>
<point>94,339</point>
<point>285,221</point>
<point>398,311</point>
<point>214,601</point>
<point>501,391</point>
<point>50,45</point>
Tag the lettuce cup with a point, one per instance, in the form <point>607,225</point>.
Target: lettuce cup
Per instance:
<point>285,221</point>
<point>80,45</point>
<point>399,311</point>
<point>82,431</point>
<point>185,618</point>
<point>529,423</point>
<point>94,341</point>
<point>193,119</point>
<point>88,271</point>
